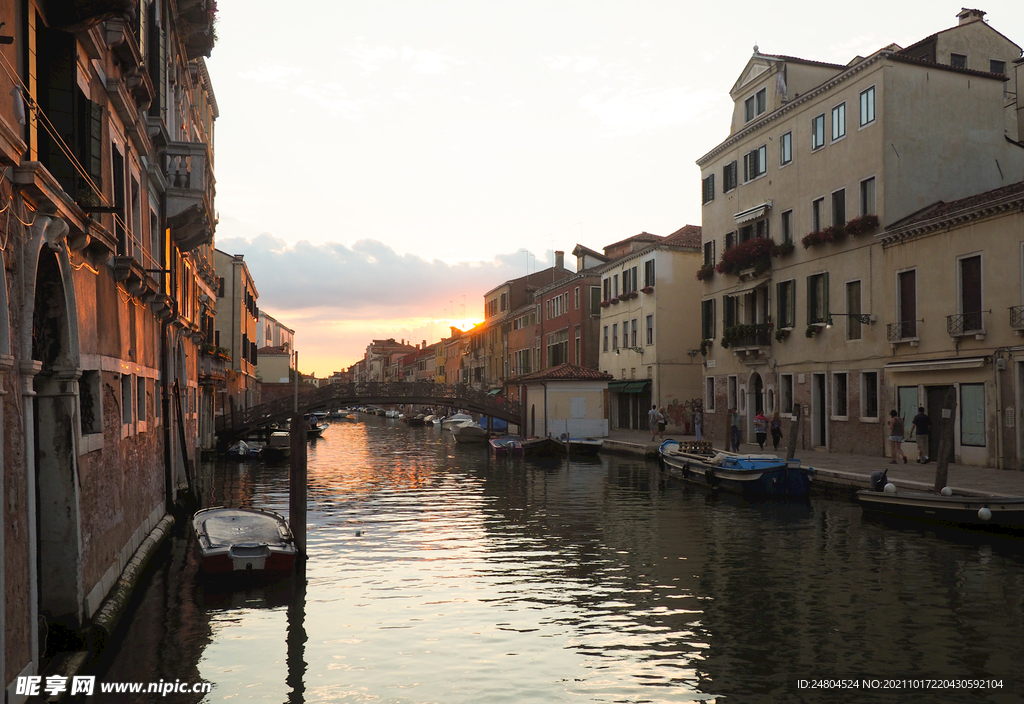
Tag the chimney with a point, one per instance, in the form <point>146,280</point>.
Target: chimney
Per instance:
<point>424,345</point>
<point>559,259</point>
<point>967,15</point>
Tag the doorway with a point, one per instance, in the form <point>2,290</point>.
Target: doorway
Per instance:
<point>819,416</point>
<point>935,396</point>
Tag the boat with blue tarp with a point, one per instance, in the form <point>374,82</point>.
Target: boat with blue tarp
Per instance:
<point>751,475</point>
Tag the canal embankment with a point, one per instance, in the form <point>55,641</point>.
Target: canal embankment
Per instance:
<point>839,473</point>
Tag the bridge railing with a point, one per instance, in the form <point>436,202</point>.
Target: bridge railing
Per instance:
<point>334,396</point>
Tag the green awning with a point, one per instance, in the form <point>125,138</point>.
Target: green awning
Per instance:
<point>494,392</point>
<point>628,387</point>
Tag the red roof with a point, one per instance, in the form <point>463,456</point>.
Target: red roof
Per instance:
<point>564,372</point>
<point>264,351</point>
<point>941,208</point>
<point>686,236</point>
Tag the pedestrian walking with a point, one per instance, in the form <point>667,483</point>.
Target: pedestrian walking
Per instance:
<point>652,420</point>
<point>734,429</point>
<point>776,430</point>
<point>698,423</point>
<point>922,431</point>
<point>760,429</point>
<point>662,422</point>
<point>896,437</point>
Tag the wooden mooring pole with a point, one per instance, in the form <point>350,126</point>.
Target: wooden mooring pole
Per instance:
<point>297,487</point>
<point>794,429</point>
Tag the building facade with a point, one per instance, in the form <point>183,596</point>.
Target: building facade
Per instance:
<point>802,302</point>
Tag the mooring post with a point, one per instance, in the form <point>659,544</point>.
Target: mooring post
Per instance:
<point>297,486</point>
<point>794,428</point>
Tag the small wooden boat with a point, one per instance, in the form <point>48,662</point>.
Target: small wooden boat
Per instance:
<point>415,420</point>
<point>998,512</point>
<point>315,431</point>
<point>747,475</point>
<point>543,447</point>
<point>506,445</point>
<point>469,432</point>
<point>279,445</point>
<point>243,451</point>
<point>250,541</point>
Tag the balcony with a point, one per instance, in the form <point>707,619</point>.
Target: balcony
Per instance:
<point>195,19</point>
<point>902,332</point>
<point>212,368</point>
<point>748,341</point>
<point>966,324</point>
<point>82,14</point>
<point>190,192</point>
<point>1017,319</point>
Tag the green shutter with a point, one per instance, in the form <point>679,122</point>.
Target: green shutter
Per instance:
<point>810,300</point>
<point>824,295</point>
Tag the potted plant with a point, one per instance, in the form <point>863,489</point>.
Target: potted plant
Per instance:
<point>705,273</point>
<point>781,334</point>
<point>861,225</point>
<point>605,304</point>
<point>648,289</point>
<point>811,331</point>
<point>755,253</point>
<point>781,250</point>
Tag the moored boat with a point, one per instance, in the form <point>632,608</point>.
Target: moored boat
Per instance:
<point>469,432</point>
<point>584,446</point>
<point>747,475</point>
<point>456,419</point>
<point>543,447</point>
<point>1004,513</point>
<point>251,541</point>
<point>506,445</point>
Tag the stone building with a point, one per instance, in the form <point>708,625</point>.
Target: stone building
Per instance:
<point>107,293</point>
<point>807,297</point>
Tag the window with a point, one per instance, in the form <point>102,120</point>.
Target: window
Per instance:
<point>958,60</point>
<point>578,345</point>
<point>615,336</point>
<point>707,319</point>
<point>625,333</point>
<point>615,286</point>
<point>786,296</point>
<point>869,394</point>
<point>595,300</point>
<point>91,402</point>
<point>839,396</point>
<point>709,393</point>
<point>754,163</point>
<point>650,329</point>
<point>867,106</point>
<point>785,393</point>
<point>140,395</point>
<point>867,196</point>
<point>576,298</point>
<point>558,348</point>
<point>755,105</point>
<point>853,325</point>
<point>972,415</point>
<point>817,298</point>
<point>730,239</point>
<point>730,311</point>
<point>607,284</point>
<point>817,208</point>
<point>906,290</point>
<point>633,341</point>
<point>787,226</point>
<point>504,302</point>
<point>649,272</point>
<point>970,293</point>
<point>839,208</point>
<point>786,149</point>
<point>839,121</point>
<point>818,132</point>
<point>631,276</point>
<point>709,253</point>
<point>708,189</point>
<point>126,399</point>
<point>522,362</point>
<point>729,179</point>
<point>997,67</point>
<point>604,343</point>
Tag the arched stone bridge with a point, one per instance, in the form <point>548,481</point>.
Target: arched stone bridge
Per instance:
<point>334,396</point>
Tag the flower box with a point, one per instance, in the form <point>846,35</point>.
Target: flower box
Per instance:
<point>605,304</point>
<point>862,225</point>
<point>755,254</point>
<point>705,273</point>
<point>648,289</point>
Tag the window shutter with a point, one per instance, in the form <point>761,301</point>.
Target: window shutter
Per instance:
<point>810,300</point>
<point>780,313</point>
<point>824,296</point>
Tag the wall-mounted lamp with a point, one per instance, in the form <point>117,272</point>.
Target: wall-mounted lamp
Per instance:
<point>862,318</point>
<point>639,350</point>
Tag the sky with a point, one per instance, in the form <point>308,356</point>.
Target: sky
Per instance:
<point>382,165</point>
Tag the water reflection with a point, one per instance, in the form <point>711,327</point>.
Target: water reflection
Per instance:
<point>438,573</point>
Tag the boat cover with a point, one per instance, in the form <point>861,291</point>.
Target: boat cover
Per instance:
<point>233,526</point>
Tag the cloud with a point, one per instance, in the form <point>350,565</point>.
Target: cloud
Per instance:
<point>636,111</point>
<point>367,280</point>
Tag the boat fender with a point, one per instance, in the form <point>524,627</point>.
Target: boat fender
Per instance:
<point>686,470</point>
<point>985,513</point>
<point>709,476</point>
<point>879,479</point>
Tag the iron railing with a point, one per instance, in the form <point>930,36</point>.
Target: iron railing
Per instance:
<point>1017,317</point>
<point>964,323</point>
<point>903,330</point>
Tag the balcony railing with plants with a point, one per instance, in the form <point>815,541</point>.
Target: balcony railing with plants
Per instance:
<point>753,254</point>
<point>748,335</point>
<point>837,233</point>
<point>1017,317</point>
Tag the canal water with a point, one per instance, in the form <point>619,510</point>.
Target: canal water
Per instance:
<point>439,574</point>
